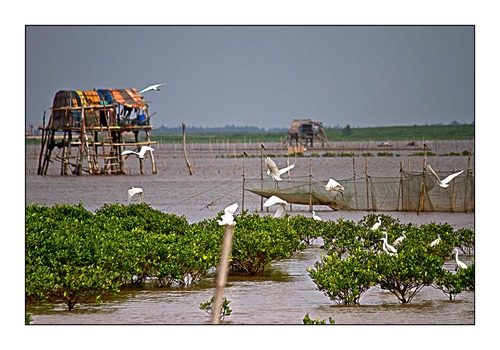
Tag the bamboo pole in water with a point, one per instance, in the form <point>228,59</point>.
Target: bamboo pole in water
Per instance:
<point>310,185</point>
<point>222,272</point>
<point>421,204</point>
<point>354,176</point>
<point>190,168</point>
<point>40,157</point>
<point>367,187</point>
<point>262,148</point>
<point>243,191</point>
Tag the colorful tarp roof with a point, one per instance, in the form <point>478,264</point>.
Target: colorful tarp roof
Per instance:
<point>78,98</point>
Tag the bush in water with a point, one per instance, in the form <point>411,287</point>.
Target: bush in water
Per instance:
<point>258,241</point>
<point>73,255</point>
<point>356,260</point>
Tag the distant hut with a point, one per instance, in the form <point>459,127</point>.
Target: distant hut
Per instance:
<point>88,130</point>
<point>304,132</point>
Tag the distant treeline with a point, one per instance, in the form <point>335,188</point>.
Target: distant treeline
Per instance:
<point>235,134</point>
<point>210,130</point>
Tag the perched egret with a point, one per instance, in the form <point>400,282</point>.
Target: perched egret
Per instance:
<point>389,249</point>
<point>445,182</point>
<point>333,185</point>
<point>399,240</point>
<point>274,172</point>
<point>460,265</point>
<point>154,87</point>
<point>227,217</point>
<point>133,191</point>
<point>141,153</point>
<point>377,224</point>
<point>316,217</point>
<point>436,241</point>
<point>281,205</point>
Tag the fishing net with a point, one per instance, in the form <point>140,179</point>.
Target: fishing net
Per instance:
<point>408,192</point>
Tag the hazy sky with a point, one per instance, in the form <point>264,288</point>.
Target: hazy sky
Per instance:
<point>263,76</point>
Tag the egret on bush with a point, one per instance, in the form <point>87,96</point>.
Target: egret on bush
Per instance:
<point>154,87</point>
<point>141,153</point>
<point>274,172</point>
<point>281,205</point>
<point>227,217</point>
<point>316,217</point>
<point>445,182</point>
<point>133,191</point>
<point>460,265</point>
<point>377,224</point>
<point>389,249</point>
<point>436,241</point>
<point>399,240</point>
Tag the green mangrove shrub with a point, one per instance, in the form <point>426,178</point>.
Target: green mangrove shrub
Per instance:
<point>355,259</point>
<point>258,241</point>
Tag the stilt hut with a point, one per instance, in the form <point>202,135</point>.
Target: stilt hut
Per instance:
<point>89,129</point>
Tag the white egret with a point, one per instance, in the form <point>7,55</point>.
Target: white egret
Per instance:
<point>389,249</point>
<point>281,205</point>
<point>460,264</point>
<point>445,182</point>
<point>141,153</point>
<point>377,224</point>
<point>436,241</point>
<point>333,185</point>
<point>274,172</point>
<point>154,87</point>
<point>399,240</point>
<point>133,191</point>
<point>316,217</point>
<point>227,217</point>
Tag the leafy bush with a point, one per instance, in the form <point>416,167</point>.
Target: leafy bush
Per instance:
<point>74,255</point>
<point>258,241</point>
<point>355,259</point>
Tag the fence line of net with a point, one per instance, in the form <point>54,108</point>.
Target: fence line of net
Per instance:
<point>410,191</point>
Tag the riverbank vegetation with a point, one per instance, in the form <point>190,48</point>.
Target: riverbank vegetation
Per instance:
<point>251,134</point>
<point>75,256</point>
<point>348,133</point>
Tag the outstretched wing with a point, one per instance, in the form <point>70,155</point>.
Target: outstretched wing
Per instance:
<point>281,210</point>
<point>271,165</point>
<point>151,87</point>
<point>451,177</point>
<point>128,152</point>
<point>132,191</point>
<point>284,170</point>
<point>333,185</point>
<point>433,173</point>
<point>231,209</point>
<point>144,149</point>
<point>273,200</point>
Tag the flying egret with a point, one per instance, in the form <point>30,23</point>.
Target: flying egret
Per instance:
<point>460,264</point>
<point>227,217</point>
<point>154,87</point>
<point>281,205</point>
<point>436,241</point>
<point>377,224</point>
<point>274,172</point>
<point>133,191</point>
<point>316,217</point>
<point>445,182</point>
<point>141,153</point>
<point>334,185</point>
<point>399,240</point>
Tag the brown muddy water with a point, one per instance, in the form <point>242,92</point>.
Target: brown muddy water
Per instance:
<point>285,293</point>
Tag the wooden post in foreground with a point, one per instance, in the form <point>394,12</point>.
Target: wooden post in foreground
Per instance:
<point>222,271</point>
<point>184,149</point>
